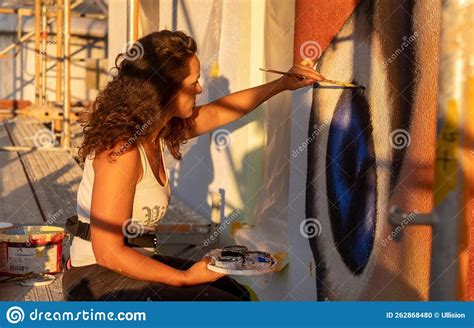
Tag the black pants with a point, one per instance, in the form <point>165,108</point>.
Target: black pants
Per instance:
<point>97,283</point>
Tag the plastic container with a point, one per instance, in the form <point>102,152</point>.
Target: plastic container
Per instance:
<point>5,225</point>
<point>25,249</point>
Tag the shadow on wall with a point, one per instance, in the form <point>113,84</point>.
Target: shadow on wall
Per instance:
<point>196,172</point>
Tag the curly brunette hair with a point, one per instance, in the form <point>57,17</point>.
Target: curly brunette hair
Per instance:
<point>133,104</point>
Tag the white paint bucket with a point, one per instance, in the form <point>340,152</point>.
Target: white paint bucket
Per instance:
<point>5,225</point>
<point>25,249</point>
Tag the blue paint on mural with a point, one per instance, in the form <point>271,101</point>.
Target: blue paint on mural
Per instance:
<point>351,181</point>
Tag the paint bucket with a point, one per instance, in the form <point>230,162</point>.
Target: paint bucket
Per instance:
<point>26,249</point>
<point>5,225</point>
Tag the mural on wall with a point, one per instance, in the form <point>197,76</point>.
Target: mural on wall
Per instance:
<point>374,147</point>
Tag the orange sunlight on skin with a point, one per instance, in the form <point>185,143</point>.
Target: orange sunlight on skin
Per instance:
<point>184,102</point>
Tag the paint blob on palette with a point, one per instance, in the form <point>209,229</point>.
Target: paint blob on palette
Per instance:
<point>239,260</point>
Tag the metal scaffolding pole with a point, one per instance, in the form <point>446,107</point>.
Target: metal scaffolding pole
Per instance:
<point>44,53</point>
<point>66,139</point>
<point>36,33</point>
<point>29,35</point>
<point>59,50</point>
<point>449,176</point>
<point>132,20</point>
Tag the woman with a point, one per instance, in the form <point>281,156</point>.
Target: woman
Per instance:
<point>150,103</point>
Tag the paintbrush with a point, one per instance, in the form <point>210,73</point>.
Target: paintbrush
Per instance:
<point>342,84</point>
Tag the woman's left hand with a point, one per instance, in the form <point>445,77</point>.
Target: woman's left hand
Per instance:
<point>304,69</point>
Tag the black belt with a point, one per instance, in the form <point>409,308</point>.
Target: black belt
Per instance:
<point>83,230</point>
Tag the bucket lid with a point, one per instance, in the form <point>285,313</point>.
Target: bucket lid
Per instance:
<point>22,234</point>
<point>5,225</point>
<point>39,280</point>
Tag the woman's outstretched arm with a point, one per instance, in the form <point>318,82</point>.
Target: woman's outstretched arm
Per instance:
<point>234,106</point>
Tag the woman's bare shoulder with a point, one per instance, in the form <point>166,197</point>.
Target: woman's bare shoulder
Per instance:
<point>122,157</point>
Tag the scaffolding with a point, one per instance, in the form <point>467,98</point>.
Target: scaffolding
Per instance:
<point>46,13</point>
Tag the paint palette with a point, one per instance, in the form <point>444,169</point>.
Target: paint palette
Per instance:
<point>238,260</point>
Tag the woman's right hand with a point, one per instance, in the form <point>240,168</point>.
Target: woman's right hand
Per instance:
<point>200,274</point>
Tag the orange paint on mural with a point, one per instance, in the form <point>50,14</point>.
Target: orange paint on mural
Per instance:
<point>467,231</point>
<point>316,24</point>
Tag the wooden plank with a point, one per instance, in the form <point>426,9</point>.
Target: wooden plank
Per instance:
<point>52,292</point>
<point>184,228</point>
<point>55,176</point>
<point>179,212</point>
<point>17,203</point>
<point>12,291</point>
<point>14,104</point>
<point>56,288</point>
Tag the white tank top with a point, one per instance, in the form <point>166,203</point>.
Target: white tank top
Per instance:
<point>150,203</point>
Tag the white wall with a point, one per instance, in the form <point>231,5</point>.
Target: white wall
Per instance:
<point>224,36</point>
